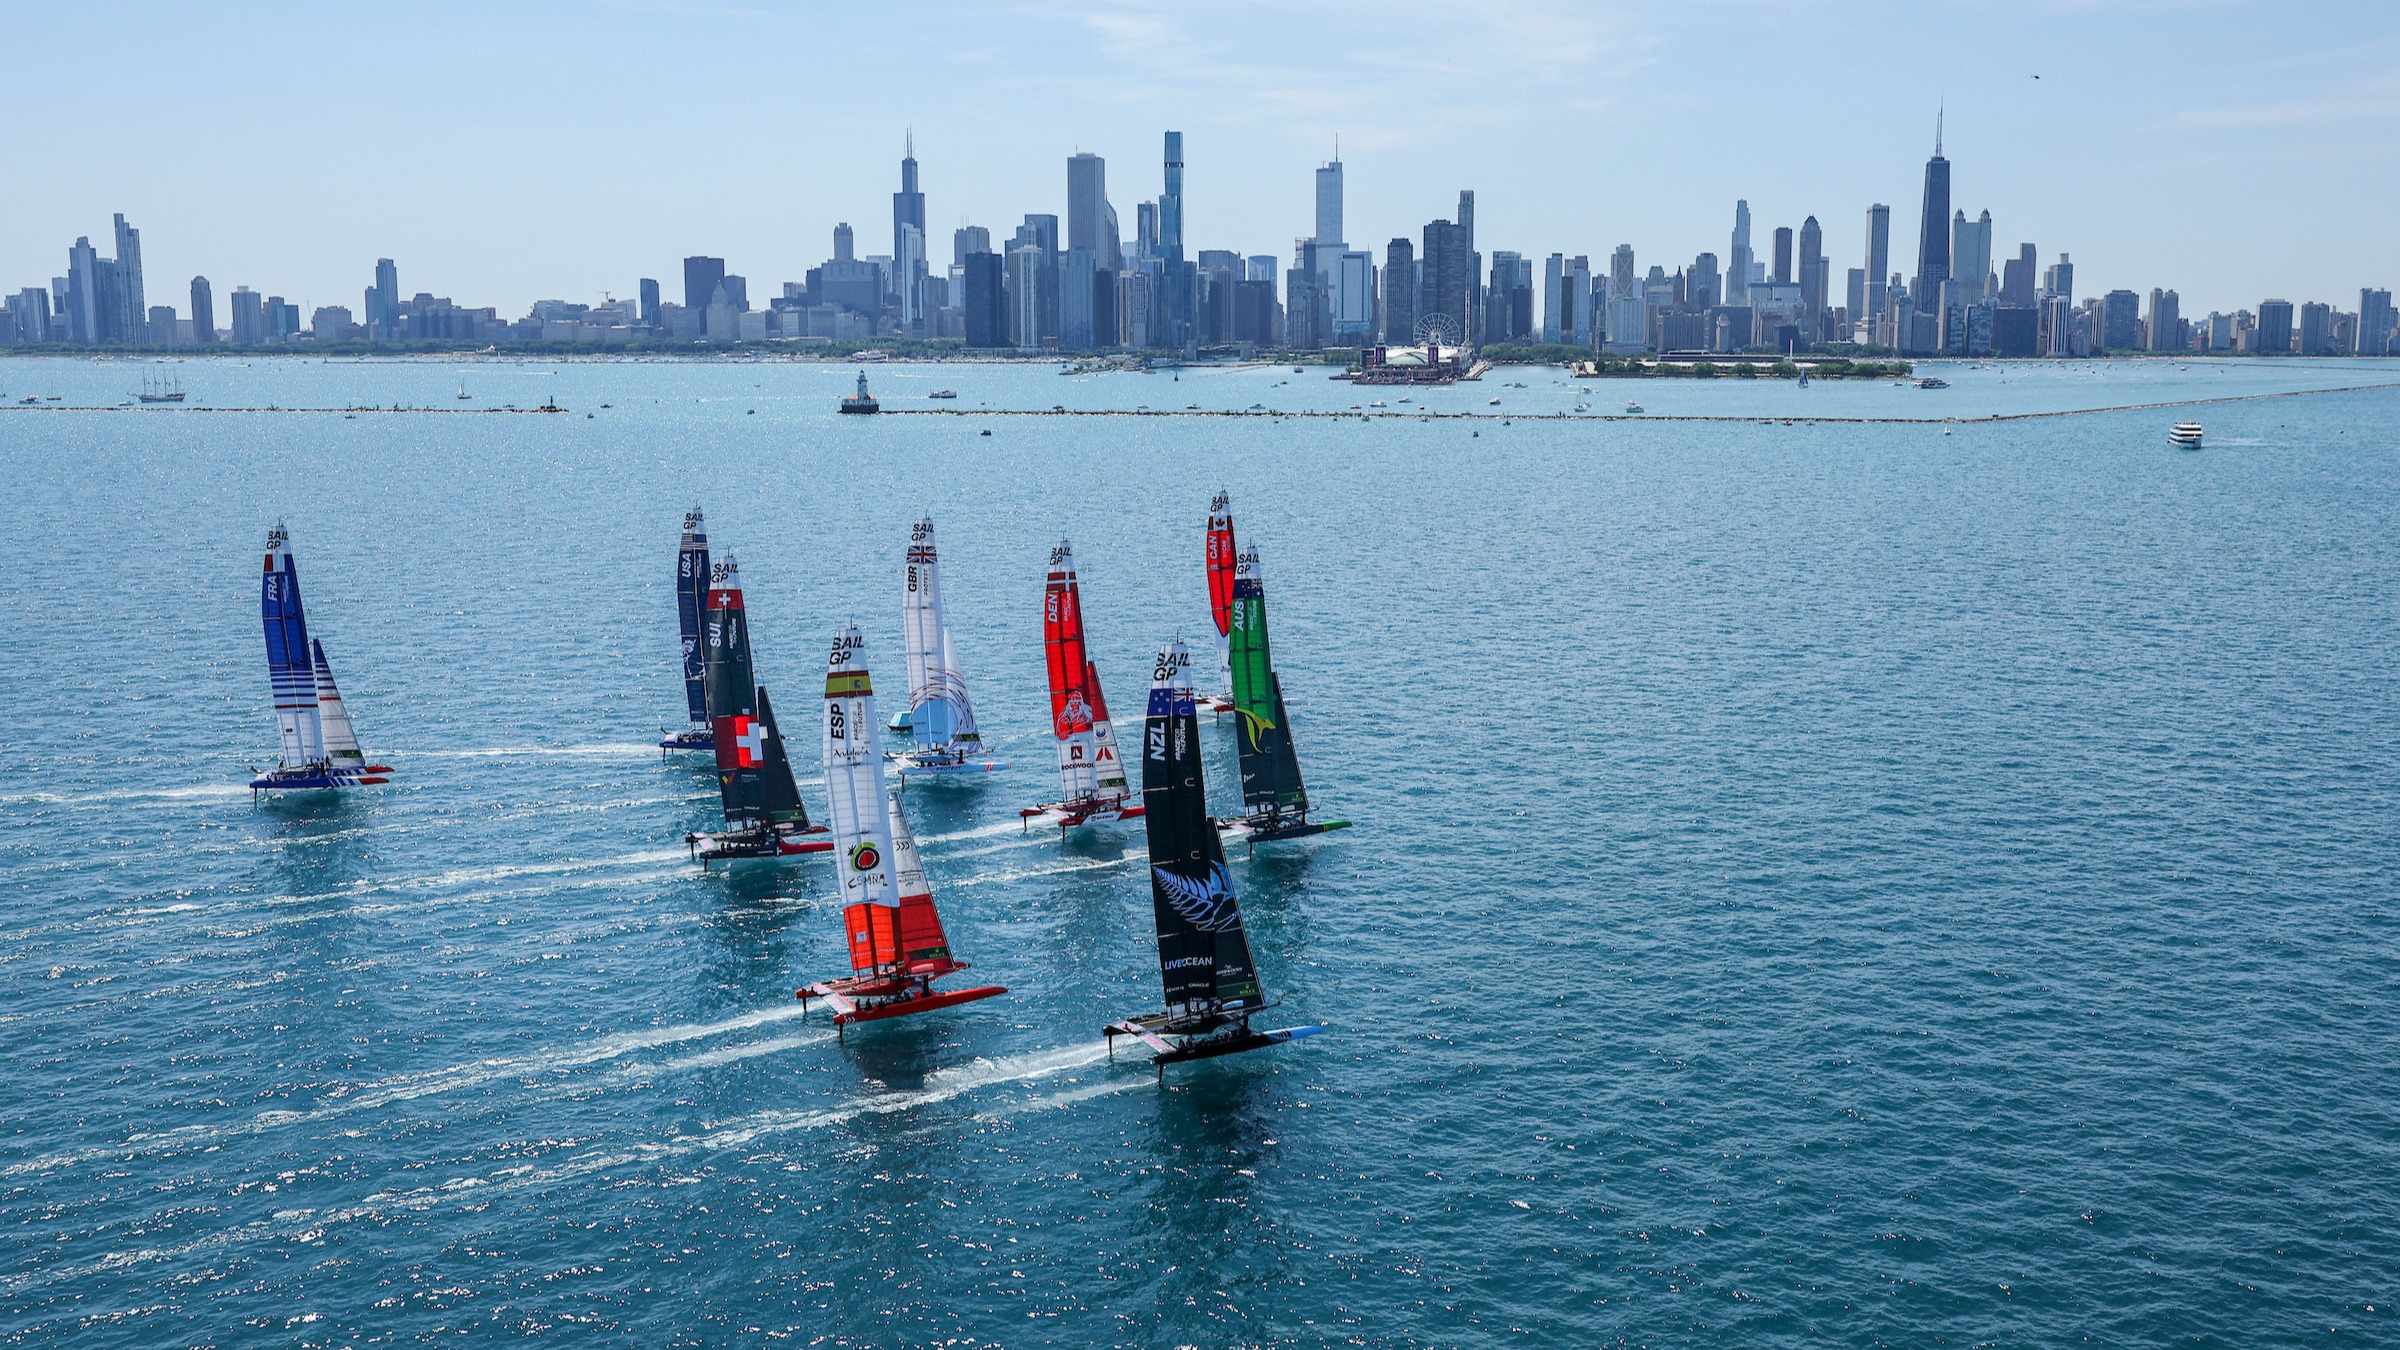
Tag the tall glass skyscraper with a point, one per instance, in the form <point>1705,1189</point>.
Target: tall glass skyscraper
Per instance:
<point>1933,229</point>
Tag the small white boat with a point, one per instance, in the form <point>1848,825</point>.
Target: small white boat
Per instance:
<point>1633,407</point>
<point>2184,436</point>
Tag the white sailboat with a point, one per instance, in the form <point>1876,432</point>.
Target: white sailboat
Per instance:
<point>941,716</point>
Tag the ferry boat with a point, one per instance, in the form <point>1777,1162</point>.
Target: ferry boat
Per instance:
<point>1933,382</point>
<point>943,393</point>
<point>2184,436</point>
<point>862,401</point>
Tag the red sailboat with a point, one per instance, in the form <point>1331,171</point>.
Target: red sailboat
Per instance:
<point>1091,773</point>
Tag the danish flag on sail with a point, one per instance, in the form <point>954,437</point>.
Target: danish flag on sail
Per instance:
<point>1091,775</point>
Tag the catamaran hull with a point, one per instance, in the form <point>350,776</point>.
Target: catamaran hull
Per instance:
<point>908,764</point>
<point>1243,831</point>
<point>906,1007</point>
<point>1231,1040</point>
<point>319,780</point>
<point>711,847</point>
<point>1068,815</point>
<point>697,738</point>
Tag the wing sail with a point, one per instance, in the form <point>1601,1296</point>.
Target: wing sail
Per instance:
<point>290,672</point>
<point>924,949</point>
<point>739,733</point>
<point>857,812</point>
<point>691,600</point>
<point>1221,560</point>
<point>1071,714</point>
<point>1270,767</point>
<point>1203,952</point>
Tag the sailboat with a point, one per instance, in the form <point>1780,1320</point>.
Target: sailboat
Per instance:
<point>320,747</point>
<point>941,718</point>
<point>763,814</point>
<point>1274,800</point>
<point>1212,986</point>
<point>1091,772</point>
<point>1220,595</point>
<point>897,947</point>
<point>691,597</point>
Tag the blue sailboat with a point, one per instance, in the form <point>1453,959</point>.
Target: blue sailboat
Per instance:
<point>319,746</point>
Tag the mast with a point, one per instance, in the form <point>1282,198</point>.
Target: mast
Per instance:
<point>691,595</point>
<point>1270,767</point>
<point>1220,577</point>
<point>782,805</point>
<point>290,672</point>
<point>733,698</point>
<point>341,739</point>
<point>856,809</point>
<point>1203,953</point>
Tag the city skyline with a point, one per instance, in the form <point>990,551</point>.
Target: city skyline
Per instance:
<point>1611,129</point>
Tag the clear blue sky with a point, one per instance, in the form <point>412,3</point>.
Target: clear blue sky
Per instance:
<point>509,152</point>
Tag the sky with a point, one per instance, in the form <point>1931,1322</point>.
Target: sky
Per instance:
<point>535,149</point>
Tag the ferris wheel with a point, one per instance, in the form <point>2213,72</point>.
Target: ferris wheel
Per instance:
<point>1438,330</point>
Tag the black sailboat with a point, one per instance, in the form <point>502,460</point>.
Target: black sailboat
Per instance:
<point>691,602</point>
<point>763,814</point>
<point>1212,985</point>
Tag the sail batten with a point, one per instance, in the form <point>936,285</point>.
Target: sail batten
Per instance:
<point>857,809</point>
<point>342,751</point>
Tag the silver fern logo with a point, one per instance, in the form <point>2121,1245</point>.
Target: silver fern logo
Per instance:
<point>1206,905</point>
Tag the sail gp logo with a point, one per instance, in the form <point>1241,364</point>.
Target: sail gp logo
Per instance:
<point>1206,905</point>
<point>865,857</point>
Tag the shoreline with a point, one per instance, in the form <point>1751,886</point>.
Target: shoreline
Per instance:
<point>1273,415</point>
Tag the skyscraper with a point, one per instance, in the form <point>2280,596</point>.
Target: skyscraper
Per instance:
<point>1879,257</point>
<point>204,311</point>
<point>1933,228</point>
<point>1091,221</point>
<point>2273,331</point>
<point>2059,279</point>
<point>2166,321</point>
<point>2316,328</point>
<point>83,286</point>
<point>969,239</point>
<point>1446,290</point>
<point>383,302</point>
<point>649,293</point>
<point>986,300</point>
<point>701,275</point>
<point>908,205</point>
<point>131,321</point>
<point>1329,206</point>
<point>2374,335</point>
<point>1737,258</point>
<point>1971,256</point>
<point>1782,274</point>
<point>1812,282</point>
<point>2016,279</point>
<point>1170,201</point>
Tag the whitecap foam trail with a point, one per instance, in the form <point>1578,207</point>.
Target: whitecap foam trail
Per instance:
<point>979,832</point>
<point>198,792</point>
<point>612,750</point>
<point>940,1086</point>
<point>1051,869</point>
<point>423,1083</point>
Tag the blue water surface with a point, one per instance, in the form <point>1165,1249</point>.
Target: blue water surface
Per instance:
<point>1910,884</point>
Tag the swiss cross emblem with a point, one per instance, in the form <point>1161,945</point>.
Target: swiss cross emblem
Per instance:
<point>749,742</point>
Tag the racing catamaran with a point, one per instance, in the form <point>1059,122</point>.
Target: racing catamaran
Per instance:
<point>763,814</point>
<point>1091,773</point>
<point>1212,987</point>
<point>897,948</point>
<point>1220,595</point>
<point>320,748</point>
<point>1274,800</point>
<point>941,719</point>
<point>691,598</point>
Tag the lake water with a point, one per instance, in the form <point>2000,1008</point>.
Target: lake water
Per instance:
<point>1816,882</point>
